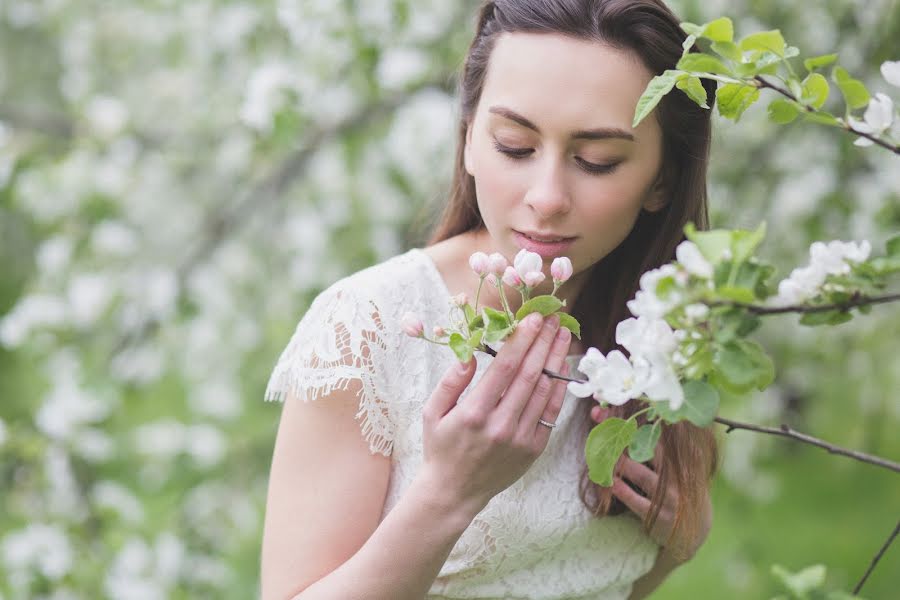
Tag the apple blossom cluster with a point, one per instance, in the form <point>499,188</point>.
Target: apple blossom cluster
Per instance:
<point>834,258</point>
<point>650,369</point>
<point>473,329</point>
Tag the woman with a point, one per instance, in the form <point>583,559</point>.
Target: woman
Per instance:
<point>469,481</point>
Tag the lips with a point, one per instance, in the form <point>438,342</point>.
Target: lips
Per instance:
<point>539,245</point>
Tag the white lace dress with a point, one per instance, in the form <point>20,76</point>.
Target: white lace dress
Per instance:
<point>535,540</point>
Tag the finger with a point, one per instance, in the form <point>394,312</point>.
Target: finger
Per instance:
<point>506,364</point>
<point>639,474</point>
<point>448,390</point>
<point>551,411</point>
<point>630,498</point>
<point>546,390</point>
<point>530,377</point>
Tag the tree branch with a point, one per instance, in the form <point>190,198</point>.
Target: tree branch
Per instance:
<point>857,299</point>
<point>876,559</point>
<point>785,431</point>
<point>846,126</point>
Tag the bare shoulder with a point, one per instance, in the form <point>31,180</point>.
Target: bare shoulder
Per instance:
<point>326,492</point>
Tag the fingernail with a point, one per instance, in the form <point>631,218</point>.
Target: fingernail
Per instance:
<point>553,321</point>
<point>562,335</point>
<point>534,320</point>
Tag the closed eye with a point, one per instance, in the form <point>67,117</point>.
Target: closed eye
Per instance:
<point>589,167</point>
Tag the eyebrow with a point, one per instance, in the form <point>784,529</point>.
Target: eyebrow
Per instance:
<point>602,133</point>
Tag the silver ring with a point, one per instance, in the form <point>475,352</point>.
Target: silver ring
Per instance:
<point>546,423</point>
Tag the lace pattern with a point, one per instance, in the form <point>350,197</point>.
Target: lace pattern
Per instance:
<point>535,540</point>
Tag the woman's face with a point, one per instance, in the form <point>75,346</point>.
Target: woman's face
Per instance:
<point>552,149</point>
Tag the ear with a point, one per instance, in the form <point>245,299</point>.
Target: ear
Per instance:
<point>657,195</point>
<point>467,150</point>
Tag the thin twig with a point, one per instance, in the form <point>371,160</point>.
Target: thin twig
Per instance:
<point>846,126</point>
<point>785,431</point>
<point>857,299</point>
<point>876,559</point>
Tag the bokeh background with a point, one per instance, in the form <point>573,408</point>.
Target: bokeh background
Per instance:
<point>178,180</point>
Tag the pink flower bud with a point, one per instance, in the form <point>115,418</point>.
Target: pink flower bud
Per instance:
<point>511,278</point>
<point>459,299</point>
<point>561,269</point>
<point>498,264</point>
<point>534,278</point>
<point>438,331</point>
<point>412,325</point>
<point>480,263</point>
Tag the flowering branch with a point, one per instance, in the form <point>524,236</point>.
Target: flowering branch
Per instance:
<point>846,126</point>
<point>786,431</point>
<point>876,559</point>
<point>856,299</point>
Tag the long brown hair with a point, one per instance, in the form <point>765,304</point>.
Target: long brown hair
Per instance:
<point>649,30</point>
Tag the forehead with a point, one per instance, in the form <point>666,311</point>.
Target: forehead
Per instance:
<point>565,82</point>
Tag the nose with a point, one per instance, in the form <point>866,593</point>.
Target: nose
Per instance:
<point>548,194</point>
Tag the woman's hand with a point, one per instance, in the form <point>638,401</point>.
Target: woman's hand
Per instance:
<point>644,477</point>
<point>477,448</point>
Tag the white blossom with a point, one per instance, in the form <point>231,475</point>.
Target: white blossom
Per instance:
<point>890,70</point>
<point>41,546</point>
<point>689,256</point>
<point>876,120</point>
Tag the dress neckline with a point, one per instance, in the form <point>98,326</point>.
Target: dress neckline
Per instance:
<point>442,285</point>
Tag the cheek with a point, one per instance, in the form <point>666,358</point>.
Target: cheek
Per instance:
<point>497,186</point>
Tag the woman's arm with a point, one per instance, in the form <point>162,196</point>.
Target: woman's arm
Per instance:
<point>322,537</point>
<point>665,564</point>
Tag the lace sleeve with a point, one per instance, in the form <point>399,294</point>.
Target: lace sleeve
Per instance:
<point>340,340</point>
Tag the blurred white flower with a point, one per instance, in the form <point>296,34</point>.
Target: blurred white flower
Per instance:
<point>114,238</point>
<point>890,70</point>
<point>106,115</point>
<point>54,254</point>
<point>206,445</point>
<point>825,259</point>
<point>39,546</point>
<point>89,295</point>
<point>646,303</point>
<point>164,439</point>
<point>111,494</point>
<point>399,67</point>
<point>646,336</point>
<point>33,311</point>
<point>265,95</point>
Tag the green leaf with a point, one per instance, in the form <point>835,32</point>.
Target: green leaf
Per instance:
<point>469,312</point>
<point>571,323</point>
<point>475,339</point>
<point>720,30</point>
<point>604,446</point>
<point>783,111</point>
<point>829,317</point>
<point>727,50</point>
<point>688,43</point>
<point>495,321</point>
<point>703,63</point>
<point>821,118</point>
<point>692,28</point>
<point>693,87</point>
<point>658,87</point>
<point>893,246</point>
<point>743,365</point>
<point>771,41</point>
<point>711,243</point>
<point>643,446</point>
<point>546,305</point>
<point>734,98</point>
<point>495,335</point>
<point>736,294</point>
<point>815,90</point>
<point>803,582</point>
<point>700,406</point>
<point>460,347</point>
<point>855,93</point>
<point>819,61</point>
<point>885,265</point>
<point>744,243</point>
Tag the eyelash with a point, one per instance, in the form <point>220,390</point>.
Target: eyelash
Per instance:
<point>589,167</point>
